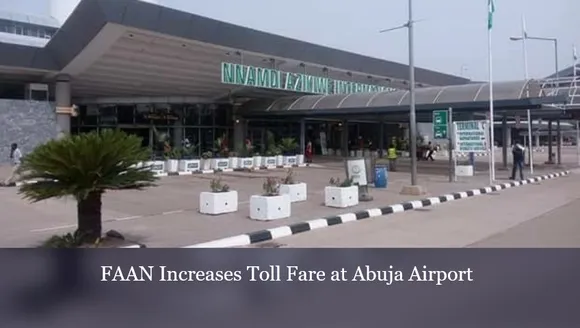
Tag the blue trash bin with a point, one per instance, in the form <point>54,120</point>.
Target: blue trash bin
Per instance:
<point>381,176</point>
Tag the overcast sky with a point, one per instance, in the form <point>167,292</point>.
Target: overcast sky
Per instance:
<point>452,35</point>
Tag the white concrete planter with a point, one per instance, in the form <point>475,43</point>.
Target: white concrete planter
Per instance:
<point>359,153</point>
<point>158,167</point>
<point>172,165</point>
<point>220,163</point>
<point>233,162</point>
<point>279,160</point>
<point>330,152</point>
<point>299,159</point>
<point>257,161</point>
<point>206,164</point>
<point>340,197</point>
<point>245,162</point>
<point>189,165</point>
<point>338,152</point>
<point>264,208</point>
<point>351,153</point>
<point>289,160</point>
<point>297,191</point>
<point>269,162</point>
<point>215,203</point>
<point>464,170</point>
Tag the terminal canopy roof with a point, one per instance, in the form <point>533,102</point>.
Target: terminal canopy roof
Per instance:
<point>474,96</point>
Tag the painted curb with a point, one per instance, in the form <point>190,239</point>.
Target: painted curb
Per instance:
<point>296,228</point>
<point>134,246</point>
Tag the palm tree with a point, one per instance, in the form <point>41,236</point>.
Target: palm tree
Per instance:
<point>85,166</point>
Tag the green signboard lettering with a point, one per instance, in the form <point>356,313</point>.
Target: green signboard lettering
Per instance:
<point>267,78</point>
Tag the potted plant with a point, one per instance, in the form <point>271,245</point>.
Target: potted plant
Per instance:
<point>257,160</point>
<point>288,147</point>
<point>269,160</point>
<point>341,194</point>
<point>233,160</point>
<point>188,163</point>
<point>206,161</point>
<point>271,205</point>
<point>296,190</point>
<point>220,161</point>
<point>245,162</point>
<point>219,200</point>
<point>172,157</point>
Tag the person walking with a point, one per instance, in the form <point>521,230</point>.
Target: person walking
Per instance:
<point>15,160</point>
<point>392,157</point>
<point>518,152</point>
<point>430,151</point>
<point>309,152</point>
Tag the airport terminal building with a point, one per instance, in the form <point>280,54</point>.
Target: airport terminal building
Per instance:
<point>145,68</point>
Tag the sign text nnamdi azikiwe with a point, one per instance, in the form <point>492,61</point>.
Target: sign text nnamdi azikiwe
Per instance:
<point>274,79</point>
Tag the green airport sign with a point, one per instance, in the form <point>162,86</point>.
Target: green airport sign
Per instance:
<point>441,124</point>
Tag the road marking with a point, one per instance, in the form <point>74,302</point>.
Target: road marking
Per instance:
<point>54,228</point>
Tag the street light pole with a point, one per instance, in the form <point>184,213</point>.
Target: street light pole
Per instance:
<point>412,118</point>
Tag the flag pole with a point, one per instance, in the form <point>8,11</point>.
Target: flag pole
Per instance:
<point>491,9</point>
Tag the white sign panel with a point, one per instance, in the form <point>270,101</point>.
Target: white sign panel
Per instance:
<point>471,136</point>
<point>357,171</point>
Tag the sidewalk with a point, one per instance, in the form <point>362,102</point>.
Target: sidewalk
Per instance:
<point>456,224</point>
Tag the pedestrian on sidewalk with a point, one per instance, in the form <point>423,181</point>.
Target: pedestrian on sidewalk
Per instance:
<point>15,160</point>
<point>309,152</point>
<point>392,157</point>
<point>430,151</point>
<point>518,152</point>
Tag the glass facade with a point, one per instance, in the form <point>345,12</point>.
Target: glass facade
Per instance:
<point>198,125</point>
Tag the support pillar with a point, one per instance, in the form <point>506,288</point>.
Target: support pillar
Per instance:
<point>559,142</point>
<point>63,99</point>
<point>506,141</point>
<point>537,140</point>
<point>344,139</point>
<point>381,139</point>
<point>240,131</point>
<point>550,137</point>
<point>303,137</point>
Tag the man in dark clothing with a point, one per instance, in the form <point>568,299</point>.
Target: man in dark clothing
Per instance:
<point>518,152</point>
<point>430,151</point>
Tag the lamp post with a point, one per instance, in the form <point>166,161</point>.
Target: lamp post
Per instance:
<point>554,40</point>
<point>412,115</point>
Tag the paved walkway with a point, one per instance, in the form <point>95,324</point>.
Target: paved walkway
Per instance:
<point>539,215</point>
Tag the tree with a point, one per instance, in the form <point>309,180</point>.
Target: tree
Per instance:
<point>85,166</point>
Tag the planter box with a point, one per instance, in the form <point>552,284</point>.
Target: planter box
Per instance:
<point>279,160</point>
<point>220,163</point>
<point>265,208</point>
<point>299,159</point>
<point>297,191</point>
<point>215,203</point>
<point>189,165</point>
<point>257,161</point>
<point>158,167</point>
<point>206,164</point>
<point>331,152</point>
<point>233,162</point>
<point>359,153</point>
<point>289,160</point>
<point>464,170</point>
<point>171,165</point>
<point>269,162</point>
<point>340,197</point>
<point>338,152</point>
<point>246,163</point>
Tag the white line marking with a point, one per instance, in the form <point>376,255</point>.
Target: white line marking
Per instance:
<point>172,212</point>
<point>127,218</point>
<point>54,228</point>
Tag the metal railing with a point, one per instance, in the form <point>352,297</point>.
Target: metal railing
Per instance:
<point>563,86</point>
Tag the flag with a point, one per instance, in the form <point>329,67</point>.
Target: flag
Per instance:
<point>490,11</point>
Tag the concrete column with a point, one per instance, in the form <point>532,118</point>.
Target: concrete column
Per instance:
<point>559,142</point>
<point>537,140</point>
<point>303,136</point>
<point>506,141</point>
<point>178,131</point>
<point>63,99</point>
<point>344,139</point>
<point>550,158</point>
<point>240,131</point>
<point>381,138</point>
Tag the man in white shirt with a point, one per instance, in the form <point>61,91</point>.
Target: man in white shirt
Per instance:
<point>16,160</point>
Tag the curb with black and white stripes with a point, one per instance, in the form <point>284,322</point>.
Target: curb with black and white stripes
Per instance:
<point>296,228</point>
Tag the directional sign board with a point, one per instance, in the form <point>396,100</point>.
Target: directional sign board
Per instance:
<point>471,136</point>
<point>440,124</point>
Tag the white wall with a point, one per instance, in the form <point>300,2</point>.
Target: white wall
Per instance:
<point>61,9</point>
